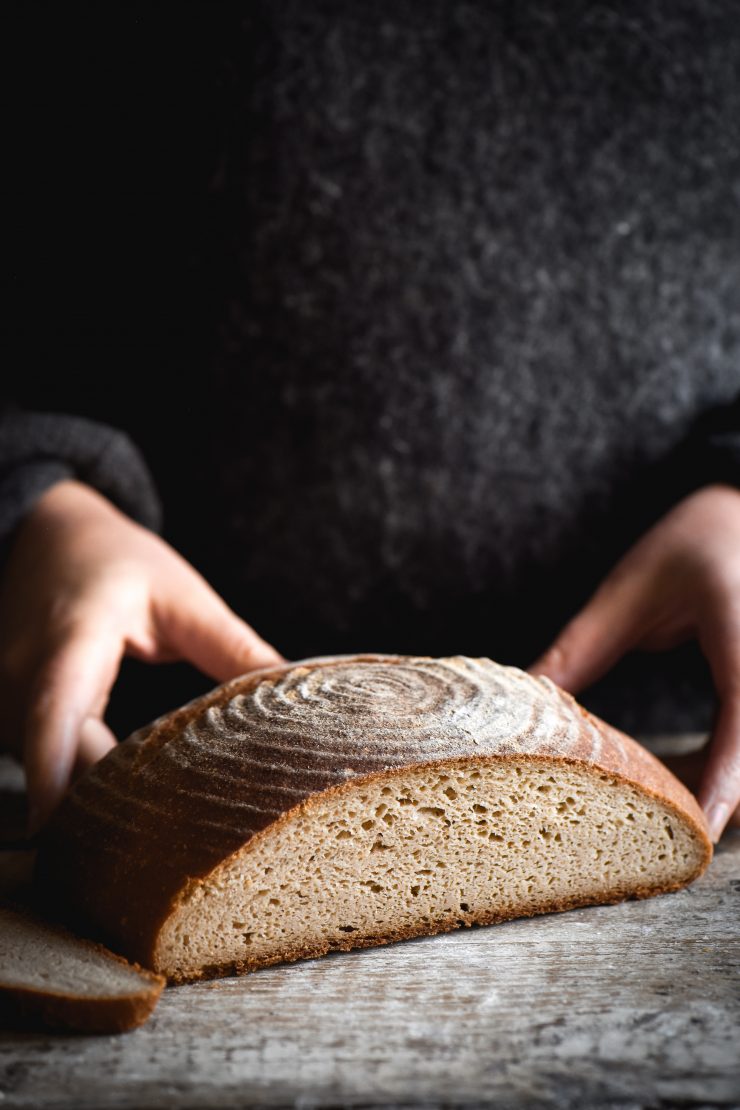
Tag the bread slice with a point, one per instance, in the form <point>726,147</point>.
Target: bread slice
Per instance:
<point>355,800</point>
<point>52,979</point>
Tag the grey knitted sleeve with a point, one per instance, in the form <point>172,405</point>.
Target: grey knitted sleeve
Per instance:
<point>39,449</point>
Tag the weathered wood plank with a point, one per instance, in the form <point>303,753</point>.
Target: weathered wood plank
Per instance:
<point>636,1005</point>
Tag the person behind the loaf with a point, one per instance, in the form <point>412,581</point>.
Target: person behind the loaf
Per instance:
<point>476,388</point>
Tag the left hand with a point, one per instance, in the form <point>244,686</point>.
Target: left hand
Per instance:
<point>680,581</point>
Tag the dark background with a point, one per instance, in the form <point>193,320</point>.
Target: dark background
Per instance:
<point>117,119</point>
<point>113,129</point>
<point>111,141</point>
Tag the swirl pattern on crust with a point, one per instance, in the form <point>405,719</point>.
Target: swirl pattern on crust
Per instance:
<point>364,715</point>
<point>232,761</point>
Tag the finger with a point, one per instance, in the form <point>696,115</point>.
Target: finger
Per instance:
<point>95,740</point>
<point>203,630</point>
<point>73,685</point>
<point>719,793</point>
<point>689,769</point>
<point>597,637</point>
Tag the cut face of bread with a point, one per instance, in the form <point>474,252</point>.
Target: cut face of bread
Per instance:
<point>357,800</point>
<point>51,978</point>
<point>426,851</point>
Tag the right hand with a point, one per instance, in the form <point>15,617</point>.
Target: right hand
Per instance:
<point>84,585</point>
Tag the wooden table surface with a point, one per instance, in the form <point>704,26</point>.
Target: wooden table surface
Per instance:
<point>628,1006</point>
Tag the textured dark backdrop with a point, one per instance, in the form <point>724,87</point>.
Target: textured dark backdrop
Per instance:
<point>112,133</point>
<point>473,258</point>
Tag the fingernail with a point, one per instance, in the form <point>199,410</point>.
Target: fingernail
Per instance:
<point>551,663</point>
<point>543,671</point>
<point>717,815</point>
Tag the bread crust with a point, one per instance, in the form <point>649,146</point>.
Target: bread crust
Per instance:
<point>177,799</point>
<point>32,1008</point>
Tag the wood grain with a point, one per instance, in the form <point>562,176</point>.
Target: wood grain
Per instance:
<point>633,1005</point>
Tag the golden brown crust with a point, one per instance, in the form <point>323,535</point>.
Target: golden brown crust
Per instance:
<point>31,1008</point>
<point>176,799</point>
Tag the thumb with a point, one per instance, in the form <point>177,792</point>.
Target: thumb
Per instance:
<point>70,689</point>
<point>719,793</point>
<point>200,627</point>
<point>595,639</point>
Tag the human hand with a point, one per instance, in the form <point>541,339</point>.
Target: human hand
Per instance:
<point>680,581</point>
<point>84,586</point>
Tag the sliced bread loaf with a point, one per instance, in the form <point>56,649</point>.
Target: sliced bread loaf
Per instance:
<point>356,800</point>
<point>52,979</point>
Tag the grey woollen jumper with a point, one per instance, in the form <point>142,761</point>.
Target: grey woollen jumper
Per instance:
<point>480,324</point>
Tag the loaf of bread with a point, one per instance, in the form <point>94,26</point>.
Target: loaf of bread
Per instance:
<point>356,800</point>
<point>51,979</point>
